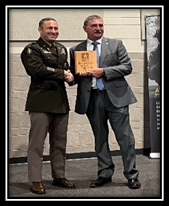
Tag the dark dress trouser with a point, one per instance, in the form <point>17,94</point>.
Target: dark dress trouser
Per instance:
<point>101,110</point>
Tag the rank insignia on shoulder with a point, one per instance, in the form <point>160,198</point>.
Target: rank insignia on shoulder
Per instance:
<point>62,51</point>
<point>29,51</point>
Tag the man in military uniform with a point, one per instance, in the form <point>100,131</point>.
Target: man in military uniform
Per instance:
<point>45,61</point>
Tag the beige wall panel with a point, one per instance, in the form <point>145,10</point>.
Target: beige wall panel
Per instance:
<point>123,12</point>
<point>121,21</point>
<point>23,23</point>
<point>134,45</point>
<point>120,32</point>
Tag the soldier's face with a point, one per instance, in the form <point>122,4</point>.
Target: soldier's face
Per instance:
<point>94,29</point>
<point>49,31</point>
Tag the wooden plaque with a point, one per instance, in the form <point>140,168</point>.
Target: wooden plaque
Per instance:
<point>85,61</point>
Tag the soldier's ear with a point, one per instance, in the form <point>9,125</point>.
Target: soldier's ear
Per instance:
<point>39,29</point>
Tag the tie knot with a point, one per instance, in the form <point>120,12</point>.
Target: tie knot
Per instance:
<point>95,43</point>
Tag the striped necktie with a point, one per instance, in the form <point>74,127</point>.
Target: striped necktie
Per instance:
<point>99,82</point>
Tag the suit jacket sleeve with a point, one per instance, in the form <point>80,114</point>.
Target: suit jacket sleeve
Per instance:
<point>117,63</point>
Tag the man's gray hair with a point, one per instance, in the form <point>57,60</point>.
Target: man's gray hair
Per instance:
<point>91,17</point>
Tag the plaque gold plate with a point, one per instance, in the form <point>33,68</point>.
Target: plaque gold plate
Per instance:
<point>85,61</point>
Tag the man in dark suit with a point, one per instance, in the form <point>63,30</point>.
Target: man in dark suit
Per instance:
<point>108,103</point>
<point>45,61</point>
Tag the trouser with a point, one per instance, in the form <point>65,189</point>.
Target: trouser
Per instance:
<point>41,124</point>
<point>101,110</point>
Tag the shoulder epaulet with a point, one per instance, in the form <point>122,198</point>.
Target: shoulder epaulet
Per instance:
<point>34,42</point>
<point>29,45</point>
<point>59,44</point>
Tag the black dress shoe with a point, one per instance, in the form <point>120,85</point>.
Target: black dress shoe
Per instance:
<point>134,184</point>
<point>100,181</point>
<point>38,188</point>
<point>63,182</point>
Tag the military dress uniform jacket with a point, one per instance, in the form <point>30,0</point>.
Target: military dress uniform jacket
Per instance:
<point>117,64</point>
<point>45,65</point>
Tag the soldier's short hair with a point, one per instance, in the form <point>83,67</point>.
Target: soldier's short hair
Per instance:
<point>45,19</point>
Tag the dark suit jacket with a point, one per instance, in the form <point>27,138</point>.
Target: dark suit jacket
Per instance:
<point>45,66</point>
<point>117,64</point>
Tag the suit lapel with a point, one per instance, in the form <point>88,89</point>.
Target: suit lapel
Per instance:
<point>104,50</point>
<point>82,46</point>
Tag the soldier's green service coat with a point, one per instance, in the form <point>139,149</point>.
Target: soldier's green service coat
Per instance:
<point>45,65</point>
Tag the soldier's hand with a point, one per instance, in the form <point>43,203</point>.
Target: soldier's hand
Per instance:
<point>68,76</point>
